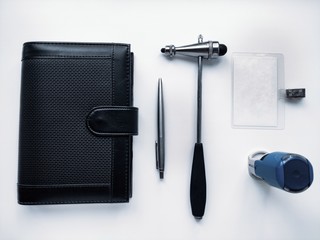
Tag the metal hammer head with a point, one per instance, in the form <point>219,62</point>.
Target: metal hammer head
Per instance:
<point>207,50</point>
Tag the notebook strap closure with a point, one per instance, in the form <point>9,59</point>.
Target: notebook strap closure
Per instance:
<point>113,121</point>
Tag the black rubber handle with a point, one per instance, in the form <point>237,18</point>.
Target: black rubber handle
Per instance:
<point>198,185</point>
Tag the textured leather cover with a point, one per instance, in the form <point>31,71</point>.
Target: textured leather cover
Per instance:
<point>66,89</point>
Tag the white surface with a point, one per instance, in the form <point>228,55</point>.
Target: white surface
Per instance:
<point>238,207</point>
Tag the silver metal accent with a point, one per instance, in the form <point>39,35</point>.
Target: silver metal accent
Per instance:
<point>200,38</point>
<point>252,158</point>
<point>172,50</point>
<point>207,50</point>
<point>199,99</point>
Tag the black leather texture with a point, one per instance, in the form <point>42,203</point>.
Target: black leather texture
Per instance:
<point>61,160</point>
<point>114,121</point>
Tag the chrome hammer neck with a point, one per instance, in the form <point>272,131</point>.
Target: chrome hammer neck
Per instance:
<point>199,95</point>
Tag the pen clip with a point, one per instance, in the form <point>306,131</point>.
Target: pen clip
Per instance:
<point>157,155</point>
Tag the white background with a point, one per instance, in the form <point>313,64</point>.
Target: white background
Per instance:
<point>238,207</point>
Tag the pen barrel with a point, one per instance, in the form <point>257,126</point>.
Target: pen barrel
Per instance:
<point>161,130</point>
<point>198,185</point>
<point>161,153</point>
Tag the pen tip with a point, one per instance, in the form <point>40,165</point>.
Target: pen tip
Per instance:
<point>161,175</point>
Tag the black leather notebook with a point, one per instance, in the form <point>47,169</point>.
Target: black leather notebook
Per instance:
<point>76,123</point>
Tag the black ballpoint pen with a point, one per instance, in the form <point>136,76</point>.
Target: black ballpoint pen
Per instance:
<point>160,125</point>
